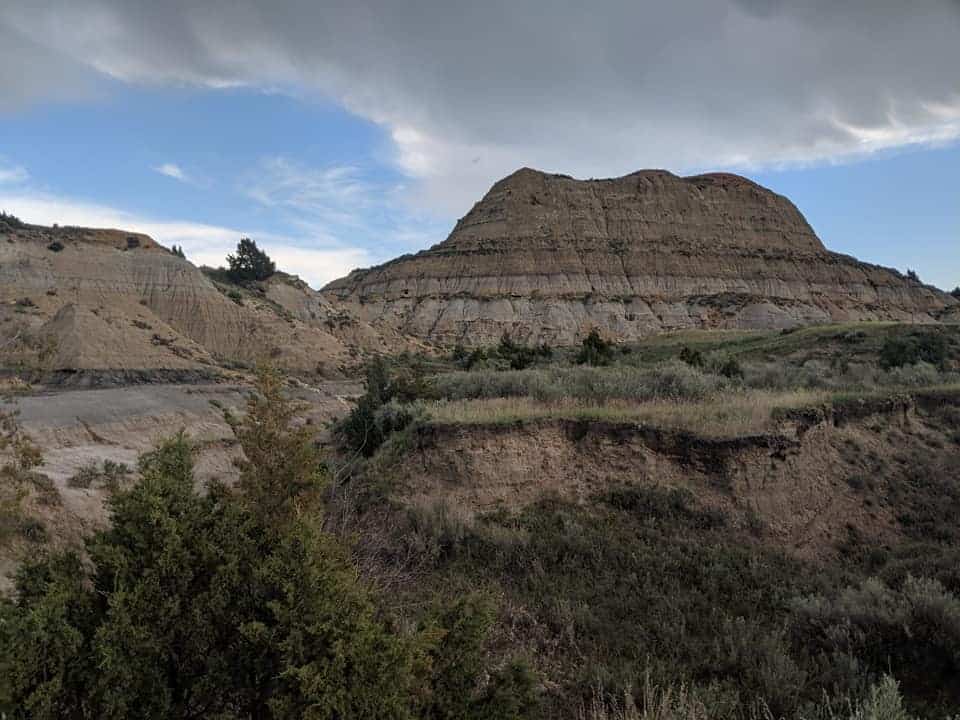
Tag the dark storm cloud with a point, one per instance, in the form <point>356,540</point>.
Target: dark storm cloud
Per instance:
<point>471,90</point>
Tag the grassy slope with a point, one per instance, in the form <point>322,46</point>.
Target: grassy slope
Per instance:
<point>644,579</point>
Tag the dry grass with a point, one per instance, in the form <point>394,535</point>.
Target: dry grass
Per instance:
<point>728,415</point>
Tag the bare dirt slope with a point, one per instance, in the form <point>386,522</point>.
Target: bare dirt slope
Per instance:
<point>546,258</point>
<point>84,299</point>
<point>803,491</point>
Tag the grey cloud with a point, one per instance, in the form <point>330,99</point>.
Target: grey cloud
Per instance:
<point>31,71</point>
<point>472,90</point>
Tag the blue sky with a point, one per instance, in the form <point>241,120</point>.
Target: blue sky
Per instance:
<point>201,166</point>
<point>343,134</point>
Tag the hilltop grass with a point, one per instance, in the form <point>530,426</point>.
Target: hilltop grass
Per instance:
<point>731,414</point>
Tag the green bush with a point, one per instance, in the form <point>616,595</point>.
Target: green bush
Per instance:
<point>912,630</point>
<point>595,350</point>
<point>730,368</point>
<point>85,476</point>
<point>381,410</point>
<point>692,357</point>
<point>33,530</point>
<point>929,347</point>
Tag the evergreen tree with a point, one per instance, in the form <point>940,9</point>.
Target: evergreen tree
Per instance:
<point>250,262</point>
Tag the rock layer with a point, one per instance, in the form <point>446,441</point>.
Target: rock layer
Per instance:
<point>546,258</point>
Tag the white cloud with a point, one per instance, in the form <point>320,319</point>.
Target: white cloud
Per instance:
<point>341,203</point>
<point>333,195</point>
<point>203,244</point>
<point>171,170</point>
<point>470,92</point>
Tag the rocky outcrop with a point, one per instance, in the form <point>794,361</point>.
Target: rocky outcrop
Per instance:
<point>546,258</point>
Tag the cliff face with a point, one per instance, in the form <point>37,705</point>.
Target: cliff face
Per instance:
<point>546,258</point>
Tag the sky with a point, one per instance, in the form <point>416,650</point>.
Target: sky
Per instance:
<point>341,134</point>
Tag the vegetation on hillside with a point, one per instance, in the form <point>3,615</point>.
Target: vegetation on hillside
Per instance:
<point>640,586</point>
<point>236,604</point>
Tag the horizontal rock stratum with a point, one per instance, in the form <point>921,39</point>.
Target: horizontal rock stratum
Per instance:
<point>545,258</point>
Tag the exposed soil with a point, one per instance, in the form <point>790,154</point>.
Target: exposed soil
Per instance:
<point>805,490</point>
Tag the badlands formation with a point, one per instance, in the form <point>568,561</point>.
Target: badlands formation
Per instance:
<point>113,306</point>
<point>545,258</point>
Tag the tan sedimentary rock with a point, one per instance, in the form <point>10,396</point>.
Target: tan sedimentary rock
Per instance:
<point>546,258</point>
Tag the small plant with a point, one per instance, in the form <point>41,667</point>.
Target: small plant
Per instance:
<point>521,356</point>
<point>55,246</point>
<point>25,303</point>
<point>33,530</point>
<point>235,296</point>
<point>113,473</point>
<point>85,476</point>
<point>692,357</point>
<point>109,474</point>
<point>730,368</point>
<point>595,350</point>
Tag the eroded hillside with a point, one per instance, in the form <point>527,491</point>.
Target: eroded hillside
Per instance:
<point>545,258</point>
<point>117,306</point>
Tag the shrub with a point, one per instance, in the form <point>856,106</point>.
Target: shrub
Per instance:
<point>929,347</point>
<point>730,368</point>
<point>518,356</point>
<point>85,476</point>
<point>691,357</point>
<point>359,431</point>
<point>668,380</point>
<point>178,251</point>
<point>912,630</point>
<point>33,530</point>
<point>912,275</point>
<point>956,292</point>
<point>249,262</point>
<point>595,350</point>
<point>920,374</point>
<point>55,246</point>
<point>11,220</point>
<point>236,296</point>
